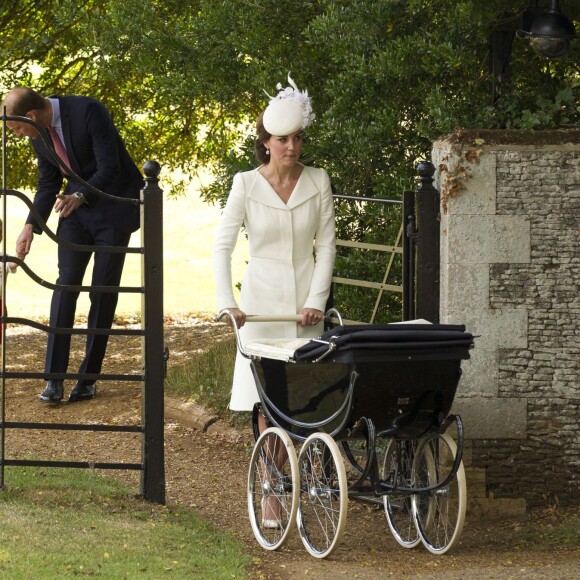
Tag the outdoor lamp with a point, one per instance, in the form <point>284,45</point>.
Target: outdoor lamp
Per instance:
<point>549,30</point>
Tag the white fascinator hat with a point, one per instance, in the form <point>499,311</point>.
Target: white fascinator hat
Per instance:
<point>289,111</point>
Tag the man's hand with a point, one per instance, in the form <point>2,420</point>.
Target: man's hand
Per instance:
<point>66,204</point>
<point>24,241</point>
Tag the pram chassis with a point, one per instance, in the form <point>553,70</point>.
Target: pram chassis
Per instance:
<point>422,481</point>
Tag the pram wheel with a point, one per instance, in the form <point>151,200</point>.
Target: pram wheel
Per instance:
<point>323,504</point>
<point>439,514</point>
<point>272,488</point>
<point>397,470</point>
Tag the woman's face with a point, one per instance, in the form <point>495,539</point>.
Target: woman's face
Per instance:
<point>285,149</point>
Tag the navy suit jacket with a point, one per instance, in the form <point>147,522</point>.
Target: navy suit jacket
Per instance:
<point>98,155</point>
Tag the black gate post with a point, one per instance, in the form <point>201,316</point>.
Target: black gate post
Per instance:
<point>153,474</point>
<point>409,250</point>
<point>428,243</point>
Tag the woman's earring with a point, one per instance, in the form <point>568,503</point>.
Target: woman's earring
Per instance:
<point>267,152</point>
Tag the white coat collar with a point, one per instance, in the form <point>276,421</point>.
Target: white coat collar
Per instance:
<point>259,190</point>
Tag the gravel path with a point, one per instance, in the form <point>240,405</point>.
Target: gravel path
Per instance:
<point>207,472</point>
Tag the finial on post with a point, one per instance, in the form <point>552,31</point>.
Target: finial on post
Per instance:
<point>151,169</point>
<point>425,170</point>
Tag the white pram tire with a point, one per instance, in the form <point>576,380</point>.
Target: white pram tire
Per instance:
<point>273,488</point>
<point>323,504</point>
<point>440,514</point>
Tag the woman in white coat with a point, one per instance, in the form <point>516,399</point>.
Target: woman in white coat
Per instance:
<point>288,212</point>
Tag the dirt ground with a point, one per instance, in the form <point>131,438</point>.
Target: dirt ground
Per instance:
<point>207,472</point>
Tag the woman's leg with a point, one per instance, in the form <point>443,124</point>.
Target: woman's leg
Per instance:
<point>271,504</point>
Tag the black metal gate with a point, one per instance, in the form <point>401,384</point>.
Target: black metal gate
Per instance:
<point>416,242</point>
<point>154,355</point>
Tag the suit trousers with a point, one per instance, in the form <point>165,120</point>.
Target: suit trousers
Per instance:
<point>86,226</point>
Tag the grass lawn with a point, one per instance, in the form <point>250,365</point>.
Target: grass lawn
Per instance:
<point>189,231</point>
<point>62,522</point>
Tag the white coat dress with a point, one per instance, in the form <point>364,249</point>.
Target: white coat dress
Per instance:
<point>291,260</point>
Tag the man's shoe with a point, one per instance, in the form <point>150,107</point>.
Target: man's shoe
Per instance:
<point>52,393</point>
<point>82,392</point>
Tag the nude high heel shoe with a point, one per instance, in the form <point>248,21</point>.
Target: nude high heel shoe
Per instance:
<point>271,514</point>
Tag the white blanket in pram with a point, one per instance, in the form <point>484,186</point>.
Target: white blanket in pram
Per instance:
<point>275,348</point>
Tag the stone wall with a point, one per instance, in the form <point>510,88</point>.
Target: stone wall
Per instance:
<point>510,271</point>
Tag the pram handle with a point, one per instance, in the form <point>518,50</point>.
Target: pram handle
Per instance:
<point>260,317</point>
<point>273,317</point>
<point>255,318</point>
<point>268,318</point>
<point>289,317</point>
<point>228,312</point>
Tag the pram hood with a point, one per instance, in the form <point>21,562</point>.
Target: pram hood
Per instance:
<point>369,340</point>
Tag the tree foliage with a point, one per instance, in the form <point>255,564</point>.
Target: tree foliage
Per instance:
<point>185,79</point>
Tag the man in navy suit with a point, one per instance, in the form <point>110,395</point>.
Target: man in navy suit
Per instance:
<point>94,150</point>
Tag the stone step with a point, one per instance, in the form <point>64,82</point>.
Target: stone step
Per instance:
<point>475,479</point>
<point>480,509</point>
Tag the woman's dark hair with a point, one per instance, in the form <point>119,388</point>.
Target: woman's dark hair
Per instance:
<point>259,147</point>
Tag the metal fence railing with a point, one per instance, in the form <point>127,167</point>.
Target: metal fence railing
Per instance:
<point>154,356</point>
<point>392,252</point>
<point>410,243</point>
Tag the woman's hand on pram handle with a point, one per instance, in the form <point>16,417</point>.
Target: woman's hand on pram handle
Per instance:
<point>311,316</point>
<point>235,317</point>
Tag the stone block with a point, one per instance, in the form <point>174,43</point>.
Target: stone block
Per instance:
<point>486,418</point>
<point>486,239</point>
<point>467,452</point>
<point>475,478</point>
<point>465,286</point>
<point>484,509</point>
<point>509,273</point>
<point>478,197</point>
<point>480,376</point>
<point>500,328</point>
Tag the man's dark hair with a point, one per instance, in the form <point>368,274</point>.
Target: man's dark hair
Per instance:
<point>27,100</point>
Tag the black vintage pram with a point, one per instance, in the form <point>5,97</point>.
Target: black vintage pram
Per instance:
<point>338,397</point>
